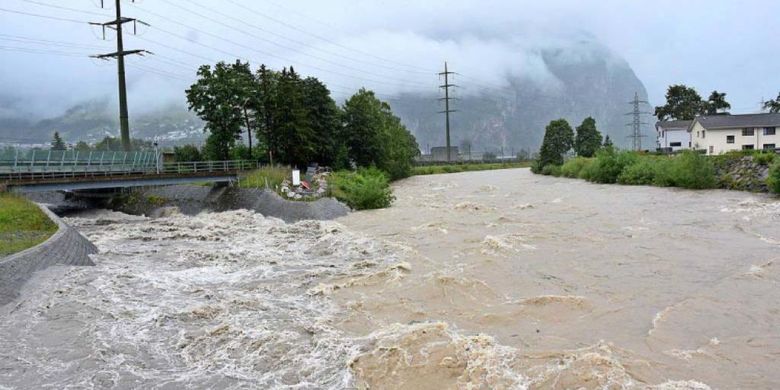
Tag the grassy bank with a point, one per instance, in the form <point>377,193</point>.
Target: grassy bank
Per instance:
<point>270,176</point>
<point>686,170</point>
<point>467,167</point>
<point>22,224</point>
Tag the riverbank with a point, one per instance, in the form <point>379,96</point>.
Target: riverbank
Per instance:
<point>750,171</point>
<point>22,224</point>
<point>437,169</point>
<point>62,246</point>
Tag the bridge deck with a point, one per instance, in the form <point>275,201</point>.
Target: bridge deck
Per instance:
<point>78,176</point>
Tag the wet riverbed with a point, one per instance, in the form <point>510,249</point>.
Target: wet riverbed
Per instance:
<point>497,279</point>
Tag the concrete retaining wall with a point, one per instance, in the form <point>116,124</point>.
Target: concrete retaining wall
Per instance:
<point>67,247</point>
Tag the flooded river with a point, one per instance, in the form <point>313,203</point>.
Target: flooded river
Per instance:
<point>486,280</point>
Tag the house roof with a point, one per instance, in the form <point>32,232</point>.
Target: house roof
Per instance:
<point>673,125</point>
<point>739,121</point>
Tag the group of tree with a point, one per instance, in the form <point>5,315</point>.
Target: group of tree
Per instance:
<point>294,120</point>
<point>684,103</point>
<point>773,105</point>
<point>559,139</point>
<point>107,144</point>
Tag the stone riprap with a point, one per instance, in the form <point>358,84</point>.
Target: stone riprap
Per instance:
<point>66,247</point>
<point>192,200</point>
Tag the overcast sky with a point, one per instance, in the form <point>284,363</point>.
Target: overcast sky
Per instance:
<point>388,46</point>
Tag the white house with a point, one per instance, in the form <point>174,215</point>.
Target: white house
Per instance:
<point>718,134</point>
<point>673,136</point>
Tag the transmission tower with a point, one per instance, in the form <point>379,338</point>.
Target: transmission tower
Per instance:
<point>116,24</point>
<point>636,124</point>
<point>446,87</point>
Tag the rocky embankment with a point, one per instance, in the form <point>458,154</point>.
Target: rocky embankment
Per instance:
<point>744,174</point>
<point>192,200</point>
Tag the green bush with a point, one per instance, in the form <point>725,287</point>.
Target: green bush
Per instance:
<point>764,158</point>
<point>609,164</point>
<point>693,170</point>
<point>774,177</point>
<point>551,170</point>
<point>642,173</point>
<point>574,167</point>
<point>368,188</point>
<point>187,153</point>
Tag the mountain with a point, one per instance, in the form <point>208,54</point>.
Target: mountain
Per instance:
<point>573,80</point>
<point>93,120</point>
<point>585,79</point>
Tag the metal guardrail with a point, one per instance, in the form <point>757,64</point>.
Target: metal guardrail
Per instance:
<point>78,169</point>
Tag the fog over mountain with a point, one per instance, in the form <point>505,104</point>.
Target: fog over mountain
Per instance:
<point>520,64</point>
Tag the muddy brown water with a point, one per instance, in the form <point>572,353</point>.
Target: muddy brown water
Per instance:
<point>483,280</point>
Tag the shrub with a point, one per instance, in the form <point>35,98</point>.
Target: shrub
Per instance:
<point>368,188</point>
<point>641,173</point>
<point>187,153</point>
<point>488,157</point>
<point>773,181</point>
<point>574,167</point>
<point>609,164</point>
<point>765,159</point>
<point>551,170</point>
<point>693,170</point>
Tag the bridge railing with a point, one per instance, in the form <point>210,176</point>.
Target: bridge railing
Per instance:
<point>31,170</point>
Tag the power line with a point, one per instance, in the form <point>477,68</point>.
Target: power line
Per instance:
<point>43,16</point>
<point>290,26</point>
<point>396,81</point>
<point>62,8</point>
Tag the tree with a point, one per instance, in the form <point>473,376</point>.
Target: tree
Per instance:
<point>608,142</point>
<point>374,136</point>
<point>399,147</point>
<point>558,139</point>
<point>324,117</point>
<point>588,139</point>
<point>219,97</point>
<point>773,106</point>
<point>57,143</point>
<point>265,111</point>
<point>717,104</point>
<point>363,127</point>
<point>682,103</point>
<point>82,146</point>
<point>186,153</point>
<point>296,144</point>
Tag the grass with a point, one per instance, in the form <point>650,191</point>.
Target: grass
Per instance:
<point>468,167</point>
<point>22,224</point>
<point>259,178</point>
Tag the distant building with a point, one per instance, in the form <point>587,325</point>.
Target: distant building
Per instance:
<point>673,136</point>
<point>723,133</point>
<point>439,153</point>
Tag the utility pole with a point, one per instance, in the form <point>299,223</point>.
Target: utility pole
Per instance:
<point>124,121</point>
<point>446,87</point>
<point>636,124</point>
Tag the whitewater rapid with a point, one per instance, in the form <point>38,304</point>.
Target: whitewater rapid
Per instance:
<point>488,280</point>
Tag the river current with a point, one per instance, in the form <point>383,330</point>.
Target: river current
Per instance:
<point>484,280</point>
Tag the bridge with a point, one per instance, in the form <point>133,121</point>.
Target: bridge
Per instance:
<point>40,171</point>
